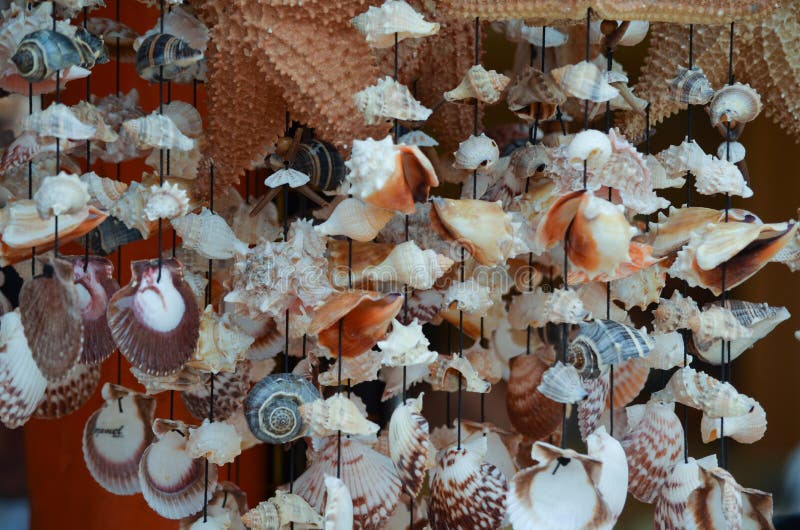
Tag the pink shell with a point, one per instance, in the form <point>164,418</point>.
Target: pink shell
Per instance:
<point>69,394</point>
<point>96,285</point>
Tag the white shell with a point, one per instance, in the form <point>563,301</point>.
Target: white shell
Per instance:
<point>716,322</point>
<point>280,512</point>
<point>592,147</point>
<point>445,373</point>
<point>166,202</point>
<point>218,442</point>
<point>409,444</point>
<point>389,99</point>
<point>674,313</point>
<point>61,194</point>
<point>712,175</point>
<point>701,391</point>
<point>736,103</point>
<point>380,24</point>
<point>22,384</point>
<point>584,81</point>
<point>562,383</point>
<point>104,191</point>
<point>747,428</point>
<point>470,297</point>
<point>159,131</point>
<point>737,152</point>
<point>516,30</point>
<point>209,235</point>
<point>409,264</point>
<point>475,152</point>
<point>418,138</point>
<point>289,176</point>
<point>354,369</point>
<point>338,514</point>
<point>406,345</point>
<point>668,351</point>
<point>325,417</point>
<point>58,121</point>
<point>355,219</point>
<point>221,343</point>
<point>481,84</point>
<point>613,482</point>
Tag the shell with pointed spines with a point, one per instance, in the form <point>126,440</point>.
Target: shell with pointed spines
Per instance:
<point>481,84</point>
<point>395,19</point>
<point>701,391</point>
<point>388,100</point>
<point>326,417</point>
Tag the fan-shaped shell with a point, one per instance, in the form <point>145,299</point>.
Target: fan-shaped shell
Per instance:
<point>562,383</point>
<point>531,413</point>
<point>481,227</point>
<point>736,103</point>
<point>55,342</point>
<point>70,393</point>
<point>475,152</point>
<point>747,428</point>
<point>409,444</point>
<point>325,417</point>
<point>185,117</point>
<point>690,86</point>
<point>273,406</point>
<point>389,99</point>
<point>701,391</point>
<point>584,81</point>
<point>22,384</point>
<point>478,83</point>
<point>592,408</point>
<point>115,438</point>
<point>613,481</point>
<point>629,380</point>
<point>230,390</point>
<point>96,285</point>
<point>604,343</point>
<point>720,502</point>
<point>209,235</point>
<point>154,319</point>
<point>392,22</point>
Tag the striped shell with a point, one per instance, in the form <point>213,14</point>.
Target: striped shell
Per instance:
<point>41,53</point>
<point>701,391</point>
<point>273,406</point>
<point>230,390</point>
<point>70,393</point>
<point>531,413</point>
<point>22,384</point>
<point>96,285</point>
<point>161,56</point>
<point>484,85</point>
<point>690,86</point>
<point>409,444</point>
<point>604,343</point>
<point>562,383</point>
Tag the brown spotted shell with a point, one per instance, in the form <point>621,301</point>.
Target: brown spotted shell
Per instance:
<point>530,412</point>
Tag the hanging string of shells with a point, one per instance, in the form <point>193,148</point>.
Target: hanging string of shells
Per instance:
<point>546,243</point>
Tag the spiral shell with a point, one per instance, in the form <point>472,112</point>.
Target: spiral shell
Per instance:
<point>61,194</point>
<point>209,235</point>
<point>562,383</point>
<point>389,99</point>
<point>409,264</point>
<point>605,343</point>
<point>273,406</point>
<point>747,428</point>
<point>281,511</point>
<point>161,56</point>
<point>701,391</point>
<point>167,201</point>
<point>393,21</point>
<point>481,84</point>
<point>59,121</point>
<point>690,86</point>
<point>736,103</point>
<point>159,131</point>
<point>41,53</point>
<point>584,81</point>
<point>409,444</point>
<point>325,417</point>
<point>475,152</point>
<point>592,147</point>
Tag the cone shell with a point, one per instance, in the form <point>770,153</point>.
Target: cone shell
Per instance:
<point>209,235</point>
<point>484,85</point>
<point>410,445</point>
<point>22,384</point>
<point>70,393</point>
<point>173,482</point>
<point>653,444</point>
<point>584,81</point>
<point>325,417</point>
<point>355,219</point>
<point>55,342</point>
<point>368,475</point>
<point>392,22</point>
<point>155,321</point>
<point>389,99</point>
<point>481,227</point>
<point>338,513</point>
<point>747,428</point>
<point>96,285</point>
<point>466,492</point>
<point>364,315</point>
<point>230,390</point>
<point>115,438</point>
<point>409,264</point>
<point>273,406</point>
<point>690,86</point>
<point>530,412</point>
<point>701,391</point>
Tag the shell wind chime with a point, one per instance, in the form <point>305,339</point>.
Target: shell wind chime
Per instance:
<point>544,253</point>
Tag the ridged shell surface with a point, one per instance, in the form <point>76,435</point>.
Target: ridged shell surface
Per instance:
<point>273,405</point>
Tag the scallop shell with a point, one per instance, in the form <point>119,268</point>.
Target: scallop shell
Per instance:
<point>369,476</point>
<point>61,194</point>
<point>22,384</point>
<point>481,84</point>
<point>389,99</point>
<point>104,192</point>
<point>466,492</point>
<point>475,152</point>
<point>221,343</point>
<point>281,511</point>
<point>592,408</point>
<point>230,390</point>
<point>167,201</point>
<point>592,147</point>
<point>96,285</point>
<point>409,444</point>
<point>185,117</point>
<point>406,345</point>
<point>690,86</point>
<point>354,369</point>
<point>653,444</point>
<point>58,121</point>
<point>613,482</point>
<point>531,413</point>
<point>670,506</point>
<point>273,406</point>
<point>720,502</point>
<point>447,371</point>
<point>701,391</point>
<point>56,343</point>
<point>736,103</point>
<point>562,383</point>
<point>418,138</point>
<point>490,240</point>
<point>733,152</point>
<point>409,264</point>
<point>629,380</point>
<point>116,436</point>
<point>389,176</point>
<point>70,393</point>
<point>217,442</point>
<point>325,417</point>
<point>364,318</point>
<point>469,296</point>
<point>154,319</point>
<point>173,483</point>
<point>747,428</point>
<point>209,235</point>
<point>605,343</point>
<point>543,496</point>
<point>392,22</point>
<point>338,514</point>
<point>157,131</point>
<point>584,81</point>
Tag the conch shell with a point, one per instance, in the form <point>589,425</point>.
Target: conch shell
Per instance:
<point>484,85</point>
<point>389,99</point>
<point>355,219</point>
<point>481,227</point>
<point>392,22</point>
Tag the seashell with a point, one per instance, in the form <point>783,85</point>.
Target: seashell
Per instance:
<point>516,30</point>
<point>701,391</point>
<point>721,502</point>
<point>58,121</point>
<point>41,53</point>
<point>670,506</point>
<point>671,233</point>
<point>116,436</point>
<point>22,384</point>
<point>447,371</point>
<point>389,176</point>
<point>475,152</point>
<point>531,413</point>
<point>352,322</point>
<point>281,511</point>
<point>221,343</point>
<point>289,176</point>
<point>408,264</point>
<point>674,313</point>
<point>734,104</point>
<point>543,496</point>
<point>154,319</point>
<point>716,322</point>
<point>536,308</point>
<point>733,152</point>
<point>406,345</point>
<point>70,393</point>
<point>690,86</point>
<point>469,296</point>
<point>530,87</point>
<point>584,81</point>
<point>369,476</point>
<point>653,444</point>
<point>562,383</point>
<point>61,194</point>
<point>325,417</point>
<point>182,164</point>
<point>747,428</point>
<point>481,84</point>
<point>613,481</point>
<point>157,131</point>
<point>173,483</point>
<point>490,240</point>
<point>185,117</point>
<point>720,176</point>
<point>418,138</point>
<point>641,288</point>
<point>230,390</point>
<point>273,406</point>
<point>354,369</point>
<point>338,513</point>
<point>322,163</point>
<point>104,192</point>
<point>594,405</point>
<point>167,201</point>
<point>355,219</point>
<point>388,99</point>
<point>721,242</point>
<point>592,147</point>
<point>217,442</point>
<point>668,351</point>
<point>56,343</point>
<point>409,444</point>
<point>109,235</point>
<point>629,380</point>
<point>392,22</point>
<point>605,343</point>
<point>161,57</point>
<point>466,492</point>
<point>486,362</point>
<point>182,380</point>
<point>658,175</point>
<point>209,235</point>
<point>91,115</point>
<point>130,210</point>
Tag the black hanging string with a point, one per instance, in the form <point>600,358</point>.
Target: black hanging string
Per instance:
<point>209,298</point>
<point>161,150</point>
<point>609,67</point>
<point>117,82</point>
<point>88,143</point>
<point>58,140</point>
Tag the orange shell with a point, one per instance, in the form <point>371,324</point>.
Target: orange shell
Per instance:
<point>530,412</point>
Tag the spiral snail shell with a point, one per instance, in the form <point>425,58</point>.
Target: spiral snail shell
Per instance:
<point>164,56</point>
<point>272,407</point>
<point>317,159</point>
<point>43,52</point>
<point>604,342</point>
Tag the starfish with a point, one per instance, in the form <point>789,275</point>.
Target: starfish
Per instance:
<point>766,56</point>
